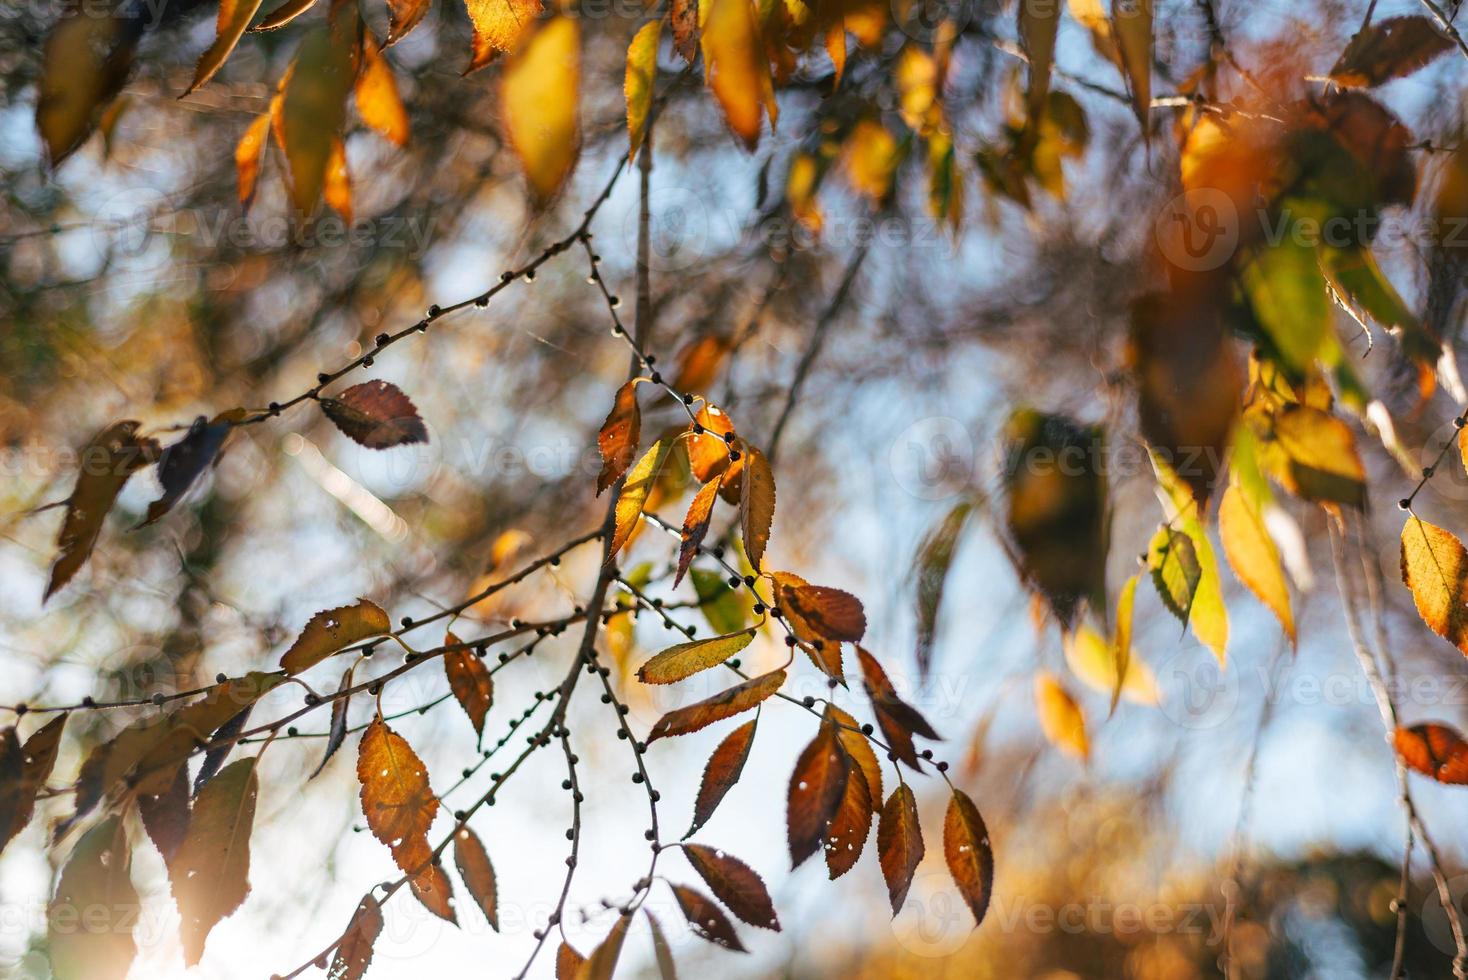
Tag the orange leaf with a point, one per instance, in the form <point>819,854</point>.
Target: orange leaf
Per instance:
<point>249,153</point>
<point>756,504</point>
<point>721,773</point>
<point>969,855</point>
<point>816,788</point>
<point>378,101</point>
<point>735,884</point>
<point>726,704</point>
<point>1434,750</point>
<point>708,451</point>
<point>234,16</point>
<point>472,860</point>
<point>706,919</point>
<point>850,825</point>
<point>404,15</point>
<point>898,720</point>
<point>858,747</point>
<point>620,433</point>
<point>700,361</point>
<point>470,681</point>
<point>337,191</point>
<point>354,952</point>
<point>1434,567</point>
<point>684,16</point>
<point>400,806</point>
<point>603,960</point>
<point>696,526</point>
<point>633,496</point>
<point>899,843</point>
<point>284,14</point>
<point>568,962</point>
<point>735,65</point>
<point>1060,716</point>
<point>331,630</point>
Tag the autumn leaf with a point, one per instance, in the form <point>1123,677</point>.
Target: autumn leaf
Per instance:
<point>858,747</point>
<point>1207,616</point>
<point>180,464</point>
<point>696,526</point>
<point>165,815</point>
<point>930,569</point>
<point>376,90</point>
<point>968,853</point>
<point>816,788</point>
<point>400,806</point>
<point>603,960</point>
<point>499,25</point>
<point>337,731</point>
<point>376,414</point>
<point>249,154</point>
<point>706,919</point>
<point>568,962</point>
<point>234,16</point>
<point>662,951</point>
<point>106,463</point>
<point>210,874</point>
<point>1060,716</point>
<point>898,720</point>
<point>686,659</point>
<point>314,108</point>
<point>1435,569</point>
<point>96,889</point>
<point>633,496</point>
<point>1092,658</point>
<point>84,62</point>
<point>899,843</point>
<point>472,860</point>
<point>214,757</point>
<point>1120,647</point>
<point>1173,563</point>
<point>818,612</point>
<point>1434,750</point>
<point>684,17</point>
<point>726,607</point>
<point>740,697</point>
<point>699,362</point>
<point>756,505</point>
<point>354,953</point>
<point>851,824</point>
<point>1253,556</point>
<point>735,66</point>
<point>470,681</point>
<point>1038,26</point>
<point>1313,455</point>
<point>23,772</point>
<point>1132,24</point>
<point>620,433</point>
<point>331,630</point>
<point>708,448</point>
<point>1388,49</point>
<point>642,69</point>
<point>735,884</point>
<point>539,98</point>
<point>404,15</point>
<point>721,773</point>
<point>284,14</point>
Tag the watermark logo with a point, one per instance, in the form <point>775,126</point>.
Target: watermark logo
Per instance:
<point>1198,230</point>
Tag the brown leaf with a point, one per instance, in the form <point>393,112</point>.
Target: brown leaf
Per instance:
<point>683,660</point>
<point>706,919</point>
<point>354,953</point>
<point>817,612</point>
<point>403,16</point>
<point>696,526</point>
<point>472,860</point>
<point>1389,49</point>
<point>166,815</point>
<point>722,772</point>
<point>603,960</point>
<point>1434,750</point>
<point>756,504</point>
<point>470,681</point>
<point>192,726</point>
<point>429,882</point>
<point>284,14</point>
<point>816,788</point>
<point>113,455</point>
<point>898,720</point>
<point>969,855</point>
<point>337,731</point>
<point>85,61</point>
<point>858,747</point>
<point>726,704</point>
<point>685,32</point>
<point>619,436</point>
<point>851,824</point>
<point>661,950</point>
<point>182,463</point>
<point>210,875</point>
<point>899,843</point>
<point>735,884</point>
<point>234,17</point>
<point>23,773</point>
<point>376,414</point>
<point>331,630</point>
<point>378,101</point>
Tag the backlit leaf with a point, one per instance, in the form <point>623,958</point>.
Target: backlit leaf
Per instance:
<point>686,659</point>
<point>930,569</point>
<point>699,362</point>
<point>1252,555</point>
<point>706,919</point>
<point>899,843</point>
<point>404,15</point>
<point>726,704</point>
<point>898,720</point>
<point>472,860</point>
<point>1060,717</point>
<point>662,951</point>
<point>1092,659</point>
<point>642,69</point>
<point>354,953</point>
<point>400,806</point>
<point>756,505</point>
<point>210,874</point>
<point>499,25</point>
<point>735,65</point>
<point>620,433</point>
<point>165,815</point>
<point>1389,49</point>
<point>1173,563</point>
<point>850,825</point>
<point>858,747</point>
<point>539,100</point>
<point>332,630</point>
<point>470,681</point>
<point>249,154</point>
<point>568,962</point>
<point>284,14</point>
<point>603,960</point>
<point>725,607</point>
<point>1435,568</point>
<point>968,853</point>
<point>234,16</point>
<point>1207,615</point>
<point>378,101</point>
<point>721,773</point>
<point>633,496</point>
<point>184,461</point>
<point>816,788</point>
<point>113,455</point>
<point>376,414</point>
<point>314,108</point>
<point>1287,291</point>
<point>90,918</point>
<point>23,772</point>
<point>1313,455</point>
<point>696,526</point>
<point>1434,750</point>
<point>84,63</point>
<point>708,452</point>
<point>735,884</point>
<point>684,17</point>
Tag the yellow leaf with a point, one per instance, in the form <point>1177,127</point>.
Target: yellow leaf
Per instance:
<point>634,493</point>
<point>1252,554</point>
<point>917,88</point>
<point>642,69</point>
<point>1092,659</point>
<point>871,157</point>
<point>499,26</point>
<point>332,630</point>
<point>1208,616</point>
<point>378,102</point>
<point>1121,644</point>
<point>84,64</point>
<point>538,102</point>
<point>1435,568</point>
<point>234,17</point>
<point>1312,454</point>
<point>800,191</point>
<point>249,154</point>
<point>686,659</point>
<point>738,71</point>
<point>1132,22</point>
<point>1060,717</point>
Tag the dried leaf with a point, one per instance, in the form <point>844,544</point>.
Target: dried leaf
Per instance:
<point>378,101</point>
<point>214,758</point>
<point>706,919</point>
<point>284,14</point>
<point>499,26</point>
<point>1434,750</point>
<point>818,612</point>
<point>662,951</point>
<point>84,63</point>
<point>210,875</point>
<point>470,681</point>
<point>1132,25</point>
<point>314,108</point>
<point>376,414</point>
<point>968,853</point>
<point>354,952</point>
<point>603,960</point>
<point>735,884</point>
<point>1435,569</point>
<point>708,451</point>
<point>234,17</point>
<point>735,65</point>
<point>400,806</point>
<point>633,496</point>
<point>568,962</point>
<point>331,630</point>
<point>539,102</point>
<point>113,455</point>
<point>1253,556</point>
<point>898,720</point>
<point>182,463</point>
<point>930,569</point>
<point>686,659</point>
<point>899,843</point>
<point>1060,716</point>
<point>858,747</point>
<point>756,504</point>
<point>1388,49</point>
<point>166,815</point>
<point>337,733</point>
<point>726,704</point>
<point>472,860</point>
<point>721,773</point>
<point>816,788</point>
<point>23,773</point>
<point>90,918</point>
<point>684,17</point>
<point>696,526</point>
<point>851,824</point>
<point>191,726</point>
<point>642,69</point>
<point>403,16</point>
<point>620,433</point>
